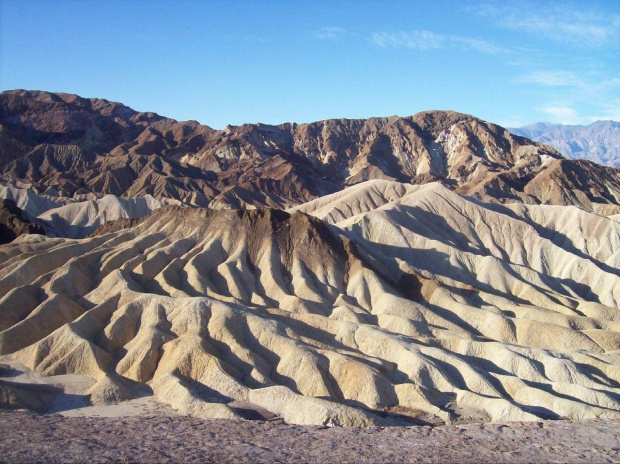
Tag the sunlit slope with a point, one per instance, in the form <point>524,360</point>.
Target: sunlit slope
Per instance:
<point>412,299</point>
<point>548,248</point>
<point>68,217</point>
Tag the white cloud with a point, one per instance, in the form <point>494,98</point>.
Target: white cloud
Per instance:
<point>511,121</point>
<point>608,84</point>
<point>562,114</point>
<point>427,40</point>
<point>609,111</point>
<point>587,87</point>
<point>255,39</point>
<point>562,22</point>
<point>561,29</point>
<point>479,45</point>
<point>329,33</point>
<point>556,78</point>
<point>569,90</point>
<point>419,39</point>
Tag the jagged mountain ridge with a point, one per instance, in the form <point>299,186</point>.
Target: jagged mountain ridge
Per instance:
<point>77,146</point>
<point>598,142</point>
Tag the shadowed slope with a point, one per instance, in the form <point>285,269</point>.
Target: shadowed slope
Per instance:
<point>414,300</point>
<point>13,222</point>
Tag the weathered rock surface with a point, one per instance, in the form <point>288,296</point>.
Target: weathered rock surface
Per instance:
<point>74,217</point>
<point>70,146</point>
<point>13,222</point>
<point>26,396</point>
<point>380,304</point>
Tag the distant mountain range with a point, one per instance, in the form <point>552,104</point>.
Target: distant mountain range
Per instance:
<point>598,142</point>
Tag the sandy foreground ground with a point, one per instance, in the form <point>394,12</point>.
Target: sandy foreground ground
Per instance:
<point>27,437</point>
<point>144,430</point>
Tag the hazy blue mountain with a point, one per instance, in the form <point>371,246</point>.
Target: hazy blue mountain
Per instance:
<point>598,142</point>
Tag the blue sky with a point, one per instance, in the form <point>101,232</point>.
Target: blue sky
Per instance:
<point>231,62</point>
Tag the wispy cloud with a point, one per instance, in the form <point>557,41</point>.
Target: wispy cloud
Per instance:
<point>566,89</point>
<point>609,110</point>
<point>511,121</point>
<point>565,22</point>
<point>562,114</point>
<point>418,40</point>
<point>556,78</point>
<point>427,40</point>
<point>245,38</point>
<point>255,39</point>
<point>587,85</point>
<point>479,45</point>
<point>329,33</point>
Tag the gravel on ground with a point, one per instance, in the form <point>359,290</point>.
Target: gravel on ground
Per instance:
<point>27,437</point>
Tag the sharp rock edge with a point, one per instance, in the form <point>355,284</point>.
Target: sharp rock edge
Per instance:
<point>66,146</point>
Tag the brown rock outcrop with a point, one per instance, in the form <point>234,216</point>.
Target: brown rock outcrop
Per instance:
<point>80,146</point>
<point>13,222</point>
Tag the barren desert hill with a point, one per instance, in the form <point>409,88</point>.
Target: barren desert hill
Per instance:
<point>70,146</point>
<point>383,271</point>
<point>377,305</point>
<point>76,217</point>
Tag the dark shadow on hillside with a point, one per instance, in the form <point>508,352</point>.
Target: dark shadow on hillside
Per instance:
<point>557,238</point>
<point>438,263</point>
<point>60,227</point>
<point>435,227</point>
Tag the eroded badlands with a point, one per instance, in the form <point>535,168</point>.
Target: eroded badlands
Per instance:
<point>382,304</point>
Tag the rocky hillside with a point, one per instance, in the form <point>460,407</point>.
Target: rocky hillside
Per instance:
<point>66,145</point>
<point>598,142</point>
<point>13,222</point>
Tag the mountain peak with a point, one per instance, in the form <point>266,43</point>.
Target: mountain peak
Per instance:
<point>598,141</point>
<point>96,147</point>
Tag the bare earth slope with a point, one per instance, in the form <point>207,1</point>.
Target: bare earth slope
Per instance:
<point>385,303</point>
<point>71,146</point>
<point>74,217</point>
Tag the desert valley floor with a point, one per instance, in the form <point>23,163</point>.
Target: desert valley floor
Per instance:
<point>53,438</point>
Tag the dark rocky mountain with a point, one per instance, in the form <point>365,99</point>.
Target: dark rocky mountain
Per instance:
<point>74,146</point>
<point>13,222</point>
